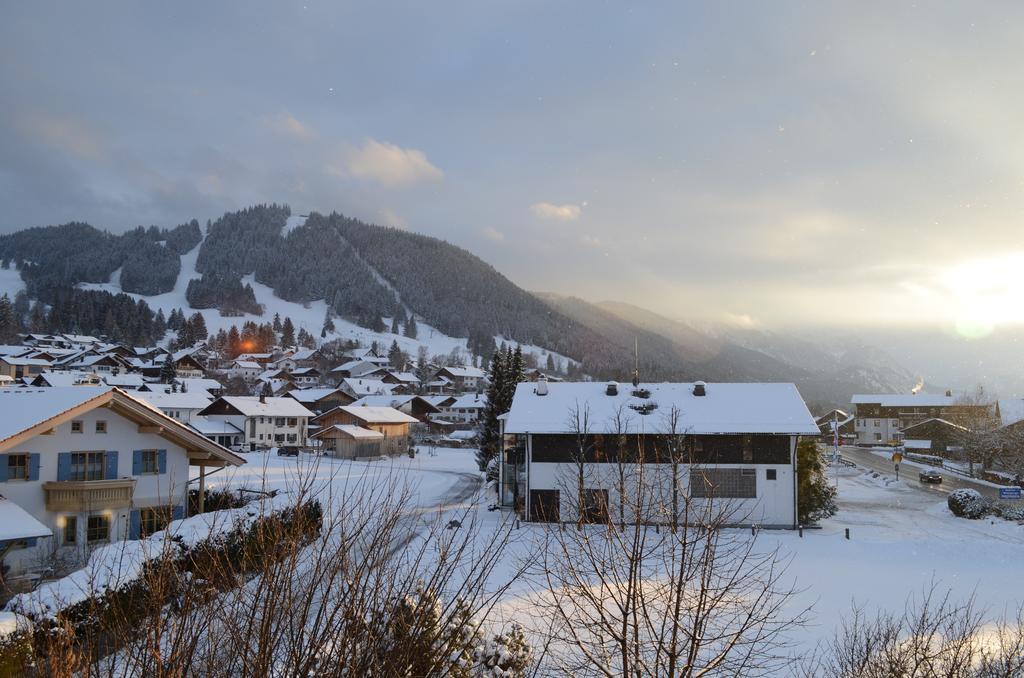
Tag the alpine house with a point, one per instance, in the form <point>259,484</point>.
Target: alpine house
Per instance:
<point>572,444</point>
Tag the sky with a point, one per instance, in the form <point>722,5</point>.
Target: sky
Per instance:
<point>760,163</point>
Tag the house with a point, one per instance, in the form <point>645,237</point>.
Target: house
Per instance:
<point>305,377</point>
<point>262,359</point>
<point>125,382</point>
<point>100,364</point>
<point>224,433</point>
<point>740,442</point>
<point>192,384</point>
<point>320,399</point>
<point>355,369</point>
<point>187,364</point>
<point>55,379</point>
<point>880,419</point>
<point>388,421</point>
<point>464,409</point>
<point>415,406</point>
<point>836,419</point>
<point>304,357</point>
<point>179,406</point>
<point>20,368</point>
<point>934,436</point>
<point>463,379</point>
<point>347,441</point>
<point>248,370</point>
<point>357,388</point>
<point>94,465</point>
<point>264,422</point>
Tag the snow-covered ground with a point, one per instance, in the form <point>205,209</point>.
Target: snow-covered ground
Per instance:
<point>10,282</point>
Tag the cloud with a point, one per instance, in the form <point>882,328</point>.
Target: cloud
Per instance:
<point>546,210</point>
<point>389,217</point>
<point>390,165</point>
<point>493,234</point>
<point>288,125</point>
<point>66,135</point>
<point>591,241</point>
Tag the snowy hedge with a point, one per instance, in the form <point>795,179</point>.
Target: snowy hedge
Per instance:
<point>967,503</point>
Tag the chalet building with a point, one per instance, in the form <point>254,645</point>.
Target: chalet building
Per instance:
<point>100,364</point>
<point>389,422</point>
<point>739,442</point>
<point>836,418</point>
<point>305,377</point>
<point>23,368</point>
<point>355,369</point>
<point>305,357</point>
<point>183,407</point>
<point>248,370</point>
<point>415,406</point>
<point>319,400</point>
<point>264,422</point>
<point>61,379</point>
<point>937,437</point>
<point>465,409</point>
<point>880,419</point>
<point>357,388</point>
<point>93,465</point>
<point>463,379</point>
<point>262,359</point>
<point>347,441</point>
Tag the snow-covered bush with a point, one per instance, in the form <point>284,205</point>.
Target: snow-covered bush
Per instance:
<point>967,503</point>
<point>1008,512</point>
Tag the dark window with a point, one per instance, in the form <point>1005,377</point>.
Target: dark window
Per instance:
<point>87,466</point>
<point>98,529</point>
<point>70,529</point>
<point>152,520</point>
<point>770,474</point>
<point>725,483</point>
<point>595,510</point>
<point>101,427</point>
<point>544,506</point>
<point>17,467</point>
<point>150,461</point>
<point>76,427</point>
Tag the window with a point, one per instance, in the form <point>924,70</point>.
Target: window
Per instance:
<point>876,423</point>
<point>152,520</point>
<point>76,427</point>
<point>770,474</point>
<point>878,437</point>
<point>279,438</point>
<point>70,529</point>
<point>292,421</point>
<point>17,467</point>
<point>748,449</point>
<point>544,506</point>
<point>87,466</point>
<point>150,462</point>
<point>724,483</point>
<point>291,437</point>
<point>98,529</point>
<point>101,427</point>
<point>279,421</point>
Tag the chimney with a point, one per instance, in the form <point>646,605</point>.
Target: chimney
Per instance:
<point>699,389</point>
<point>612,389</point>
<point>542,387</point>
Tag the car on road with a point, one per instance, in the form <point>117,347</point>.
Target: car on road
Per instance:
<point>288,451</point>
<point>930,477</point>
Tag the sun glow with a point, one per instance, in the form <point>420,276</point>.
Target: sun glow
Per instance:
<point>985,293</point>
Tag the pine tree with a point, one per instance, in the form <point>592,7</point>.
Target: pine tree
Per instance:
<point>394,324</point>
<point>168,372</point>
<point>159,324</point>
<point>287,332</point>
<point>198,327</point>
<point>396,356</point>
<point>490,428</point>
<point>816,498</point>
<point>234,342</point>
<point>328,325</point>
<point>411,330</point>
<point>551,363</point>
<point>277,322</point>
<point>9,325</point>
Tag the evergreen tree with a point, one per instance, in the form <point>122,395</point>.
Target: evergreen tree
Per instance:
<point>551,363</point>
<point>287,332</point>
<point>377,323</point>
<point>816,498</point>
<point>394,325</point>
<point>328,325</point>
<point>168,373</point>
<point>306,339</point>
<point>159,324</point>
<point>198,327</point>
<point>396,356</point>
<point>277,322</point>
<point>490,429</point>
<point>411,330</point>
<point>234,342</point>
<point>9,325</point>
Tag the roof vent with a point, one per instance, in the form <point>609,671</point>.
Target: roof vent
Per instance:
<point>700,388</point>
<point>542,387</point>
<point>612,389</point>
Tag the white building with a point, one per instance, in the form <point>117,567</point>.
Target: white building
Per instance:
<point>740,440</point>
<point>264,422</point>
<point>464,409</point>
<point>246,369</point>
<point>93,465</point>
<point>179,406</point>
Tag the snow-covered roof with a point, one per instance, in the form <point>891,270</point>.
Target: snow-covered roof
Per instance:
<point>190,400</point>
<point>16,523</point>
<point>304,354</point>
<point>251,406</point>
<point>351,431</point>
<point>200,383</point>
<point>68,378</point>
<point>23,408</point>
<point>9,349</point>
<point>935,420</point>
<point>463,435</point>
<point>436,400</point>
<point>25,362</point>
<point>405,377</point>
<point>379,415</point>
<point>469,401</point>
<point>366,386</point>
<point>311,395</point>
<point>1011,411</point>
<point>213,426</point>
<point>726,408</point>
<point>303,371</point>
<point>127,380</point>
<point>93,359</point>
<point>917,444</point>
<point>904,400</point>
<point>247,365</point>
<point>255,356</point>
<point>463,372</point>
<point>395,401</point>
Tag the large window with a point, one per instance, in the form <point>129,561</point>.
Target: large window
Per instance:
<point>725,483</point>
<point>87,466</point>
<point>70,529</point>
<point>152,520</point>
<point>98,529</point>
<point>17,467</point>
<point>544,506</point>
<point>150,462</point>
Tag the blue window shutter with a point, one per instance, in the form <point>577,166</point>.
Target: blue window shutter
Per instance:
<point>136,462</point>
<point>33,467</point>
<point>111,465</point>
<point>162,459</point>
<point>178,513</point>
<point>64,466</point>
<point>134,524</point>
<point>3,468</point>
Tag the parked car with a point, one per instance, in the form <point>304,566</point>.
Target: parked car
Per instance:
<point>288,451</point>
<point>930,477</point>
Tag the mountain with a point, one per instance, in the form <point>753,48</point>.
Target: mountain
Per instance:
<point>263,259</point>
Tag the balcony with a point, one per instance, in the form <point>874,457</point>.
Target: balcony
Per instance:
<point>76,496</point>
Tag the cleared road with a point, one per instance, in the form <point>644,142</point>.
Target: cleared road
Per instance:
<point>908,473</point>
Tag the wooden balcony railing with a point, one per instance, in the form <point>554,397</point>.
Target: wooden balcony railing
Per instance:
<point>88,495</point>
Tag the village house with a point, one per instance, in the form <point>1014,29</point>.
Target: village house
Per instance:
<point>183,407</point>
<point>93,465</point>
<point>464,409</point>
<point>462,379</point>
<point>304,357</point>
<point>264,422</point>
<point>415,406</point>
<point>880,419</point>
<point>738,440</point>
<point>357,388</point>
<point>305,377</point>
<point>23,368</point>
<point>248,370</point>
<point>320,400</point>
<point>389,422</point>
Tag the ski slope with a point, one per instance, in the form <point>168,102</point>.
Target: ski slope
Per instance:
<point>309,316</point>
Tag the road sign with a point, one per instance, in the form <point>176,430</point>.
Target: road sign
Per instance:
<point>897,457</point>
<point>1009,493</point>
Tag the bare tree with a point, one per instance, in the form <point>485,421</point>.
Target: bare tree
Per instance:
<point>581,454</point>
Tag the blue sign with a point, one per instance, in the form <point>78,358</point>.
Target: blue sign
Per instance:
<point>1009,493</point>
